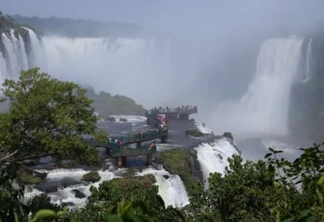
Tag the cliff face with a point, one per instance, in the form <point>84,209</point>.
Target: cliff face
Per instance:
<point>307,99</point>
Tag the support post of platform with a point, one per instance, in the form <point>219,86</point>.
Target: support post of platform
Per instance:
<point>163,139</point>
<point>107,151</point>
<point>138,145</point>
<point>120,162</point>
<point>124,160</point>
<point>149,159</point>
<point>184,116</point>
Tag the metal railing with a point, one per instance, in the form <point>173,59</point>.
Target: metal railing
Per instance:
<point>139,151</point>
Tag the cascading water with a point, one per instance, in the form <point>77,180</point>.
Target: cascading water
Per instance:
<point>3,67</point>
<point>171,187</point>
<point>16,55</point>
<point>308,61</point>
<point>67,194</point>
<point>263,109</point>
<point>36,54</point>
<point>212,157</point>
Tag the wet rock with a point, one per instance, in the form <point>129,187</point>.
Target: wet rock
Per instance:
<point>228,135</point>
<point>51,186</point>
<point>78,194</point>
<point>68,204</point>
<point>166,176</point>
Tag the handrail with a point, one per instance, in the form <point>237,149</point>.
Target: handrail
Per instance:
<point>117,149</point>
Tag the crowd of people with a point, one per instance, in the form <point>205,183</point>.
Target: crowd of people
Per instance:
<point>183,108</point>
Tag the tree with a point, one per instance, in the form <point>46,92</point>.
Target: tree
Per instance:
<point>46,117</point>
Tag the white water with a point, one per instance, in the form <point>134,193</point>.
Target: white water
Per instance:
<point>3,67</point>
<point>308,61</point>
<point>67,195</point>
<point>203,129</point>
<point>212,157</point>
<point>172,190</point>
<point>37,55</point>
<point>129,118</point>
<point>263,110</point>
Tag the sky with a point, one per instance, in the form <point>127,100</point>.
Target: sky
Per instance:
<point>166,12</point>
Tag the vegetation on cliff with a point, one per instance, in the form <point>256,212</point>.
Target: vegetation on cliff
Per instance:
<point>106,104</point>
<point>79,28</point>
<point>194,132</point>
<point>178,161</point>
<point>7,24</point>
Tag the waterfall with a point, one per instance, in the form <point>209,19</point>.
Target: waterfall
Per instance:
<point>212,157</point>
<point>308,61</point>
<point>15,54</point>
<point>263,110</point>
<point>37,56</point>
<point>171,187</point>
<point>3,67</point>
<point>20,50</point>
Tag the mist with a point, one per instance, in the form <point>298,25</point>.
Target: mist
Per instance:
<point>188,52</point>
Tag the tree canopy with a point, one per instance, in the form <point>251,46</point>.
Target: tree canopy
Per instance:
<point>46,117</point>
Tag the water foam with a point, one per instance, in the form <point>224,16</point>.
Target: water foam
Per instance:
<point>172,189</point>
<point>213,156</point>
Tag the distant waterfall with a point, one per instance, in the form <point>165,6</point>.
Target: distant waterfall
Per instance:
<point>14,54</point>
<point>3,67</point>
<point>308,61</point>
<point>263,109</point>
<point>36,54</point>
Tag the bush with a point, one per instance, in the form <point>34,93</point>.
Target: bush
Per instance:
<point>195,133</point>
<point>24,177</point>
<point>91,176</point>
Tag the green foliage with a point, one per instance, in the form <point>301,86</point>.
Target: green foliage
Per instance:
<point>107,105</point>
<point>195,133</point>
<point>91,176</point>
<point>178,161</point>
<point>47,117</point>
<point>7,24</point>
<point>269,190</point>
<point>27,178</point>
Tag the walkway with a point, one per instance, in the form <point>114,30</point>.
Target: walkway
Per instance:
<point>120,147</point>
